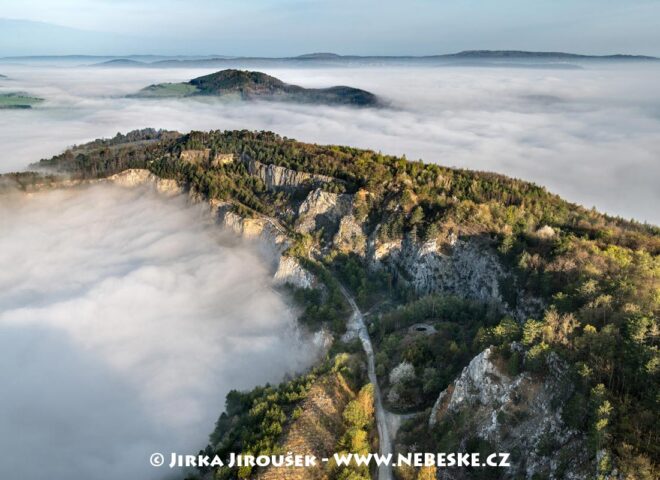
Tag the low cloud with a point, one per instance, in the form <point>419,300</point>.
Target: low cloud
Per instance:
<point>124,321</point>
<point>591,134</point>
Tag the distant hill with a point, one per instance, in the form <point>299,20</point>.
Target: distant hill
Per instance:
<point>119,62</point>
<point>480,54</point>
<point>318,56</point>
<point>249,85</point>
<point>512,54</point>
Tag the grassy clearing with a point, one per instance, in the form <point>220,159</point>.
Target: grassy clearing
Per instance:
<point>167,90</point>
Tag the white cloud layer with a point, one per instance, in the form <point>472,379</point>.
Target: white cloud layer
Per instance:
<point>591,135</point>
<point>124,321</point>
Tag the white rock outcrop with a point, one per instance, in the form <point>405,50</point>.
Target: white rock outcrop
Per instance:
<point>349,236</point>
<point>520,413</point>
<point>466,268</point>
<point>323,209</point>
<point>135,177</point>
<point>289,271</point>
<point>271,237</point>
<point>275,176</point>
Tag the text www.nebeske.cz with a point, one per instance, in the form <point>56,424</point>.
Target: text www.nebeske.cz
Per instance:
<point>289,460</point>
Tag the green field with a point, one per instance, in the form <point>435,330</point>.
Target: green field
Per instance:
<point>167,90</point>
<point>17,100</point>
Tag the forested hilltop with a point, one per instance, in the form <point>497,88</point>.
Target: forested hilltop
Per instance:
<point>247,85</point>
<point>551,305</point>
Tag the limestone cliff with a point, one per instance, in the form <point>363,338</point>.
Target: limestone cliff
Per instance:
<point>350,236</point>
<point>519,414</point>
<point>323,210</point>
<point>290,271</point>
<point>275,176</point>
<point>135,177</point>
<point>466,268</point>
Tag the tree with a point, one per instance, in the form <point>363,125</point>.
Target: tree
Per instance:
<point>427,473</point>
<point>417,215</point>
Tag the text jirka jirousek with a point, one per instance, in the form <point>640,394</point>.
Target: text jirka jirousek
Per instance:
<point>291,460</point>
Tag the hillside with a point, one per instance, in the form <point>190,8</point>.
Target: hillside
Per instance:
<point>246,85</point>
<point>501,315</point>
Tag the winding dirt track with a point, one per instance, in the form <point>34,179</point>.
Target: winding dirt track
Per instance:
<point>357,325</point>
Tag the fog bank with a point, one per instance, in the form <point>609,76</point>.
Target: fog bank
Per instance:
<point>591,135</point>
<point>124,321</point>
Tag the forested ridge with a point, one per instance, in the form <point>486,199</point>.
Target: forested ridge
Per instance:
<point>597,275</point>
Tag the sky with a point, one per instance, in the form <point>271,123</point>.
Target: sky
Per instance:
<point>291,27</point>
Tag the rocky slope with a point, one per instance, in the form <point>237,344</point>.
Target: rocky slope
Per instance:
<point>518,414</point>
<point>315,430</point>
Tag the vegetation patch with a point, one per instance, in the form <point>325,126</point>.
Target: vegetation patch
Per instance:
<point>18,101</point>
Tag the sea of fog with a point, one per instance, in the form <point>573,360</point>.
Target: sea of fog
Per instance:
<point>591,134</point>
<point>124,321</point>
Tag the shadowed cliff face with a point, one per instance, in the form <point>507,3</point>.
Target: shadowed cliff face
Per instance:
<point>122,319</point>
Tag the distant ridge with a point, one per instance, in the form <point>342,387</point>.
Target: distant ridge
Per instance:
<point>529,54</point>
<point>318,56</point>
<point>492,57</point>
<point>494,54</point>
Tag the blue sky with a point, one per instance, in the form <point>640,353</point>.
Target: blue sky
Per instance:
<point>289,27</point>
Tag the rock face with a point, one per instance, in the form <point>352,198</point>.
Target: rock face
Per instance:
<point>195,156</point>
<point>466,269</point>
<point>203,157</point>
<point>289,271</point>
<point>222,159</point>
<point>135,177</point>
<point>350,236</point>
<point>323,209</point>
<point>517,415</point>
<point>275,176</point>
<point>272,238</point>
